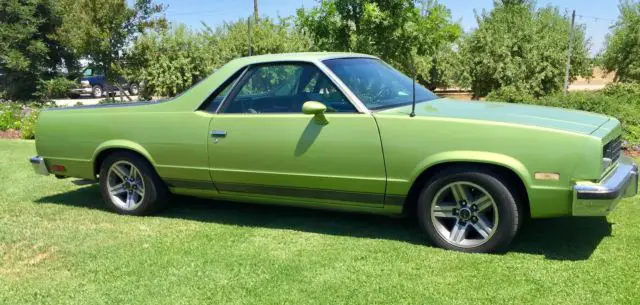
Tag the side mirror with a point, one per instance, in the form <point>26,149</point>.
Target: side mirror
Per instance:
<point>317,109</point>
<point>313,108</point>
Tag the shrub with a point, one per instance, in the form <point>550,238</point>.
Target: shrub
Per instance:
<point>28,124</point>
<point>54,88</point>
<point>509,94</point>
<point>10,114</point>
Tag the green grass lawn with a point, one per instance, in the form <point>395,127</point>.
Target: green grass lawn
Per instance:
<point>59,245</point>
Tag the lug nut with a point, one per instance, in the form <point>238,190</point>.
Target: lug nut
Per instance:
<point>474,207</point>
<point>462,202</point>
<point>474,219</point>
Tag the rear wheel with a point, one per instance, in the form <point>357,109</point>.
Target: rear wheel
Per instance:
<point>129,185</point>
<point>469,211</point>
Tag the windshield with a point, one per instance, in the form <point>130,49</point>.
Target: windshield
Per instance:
<point>377,84</point>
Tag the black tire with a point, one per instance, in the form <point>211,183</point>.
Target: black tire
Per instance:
<point>509,212</point>
<point>156,194</point>
<point>97,91</point>
<point>133,89</point>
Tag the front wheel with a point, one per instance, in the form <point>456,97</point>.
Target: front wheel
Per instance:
<point>96,91</point>
<point>469,211</point>
<point>133,89</point>
<point>129,185</point>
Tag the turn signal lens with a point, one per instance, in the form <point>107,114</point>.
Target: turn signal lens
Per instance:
<point>547,176</point>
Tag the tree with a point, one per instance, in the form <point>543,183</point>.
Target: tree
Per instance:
<point>101,30</point>
<point>170,61</point>
<point>29,50</point>
<point>622,48</point>
<point>401,33</point>
<point>519,48</point>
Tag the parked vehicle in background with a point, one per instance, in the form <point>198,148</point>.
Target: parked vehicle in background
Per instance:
<point>338,131</point>
<point>94,82</point>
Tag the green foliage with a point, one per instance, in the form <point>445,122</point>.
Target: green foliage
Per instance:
<point>622,50</point>
<point>10,116</point>
<point>100,30</point>
<point>29,48</point>
<point>525,48</point>
<point>169,61</point>
<point>619,101</point>
<point>28,124</point>
<point>399,32</point>
<point>509,94</point>
<point>54,88</point>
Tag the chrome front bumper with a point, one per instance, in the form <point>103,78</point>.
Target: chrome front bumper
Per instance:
<point>598,199</point>
<point>39,165</point>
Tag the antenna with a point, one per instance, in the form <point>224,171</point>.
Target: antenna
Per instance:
<point>413,102</point>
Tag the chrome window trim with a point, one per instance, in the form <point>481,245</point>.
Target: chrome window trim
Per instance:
<point>351,98</point>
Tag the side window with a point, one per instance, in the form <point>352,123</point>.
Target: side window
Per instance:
<point>283,88</point>
<point>211,105</point>
<point>87,72</point>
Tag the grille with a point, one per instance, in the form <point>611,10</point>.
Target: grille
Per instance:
<point>612,150</point>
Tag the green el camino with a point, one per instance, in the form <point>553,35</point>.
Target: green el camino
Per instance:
<point>347,132</point>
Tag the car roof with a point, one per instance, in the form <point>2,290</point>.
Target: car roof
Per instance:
<point>306,56</point>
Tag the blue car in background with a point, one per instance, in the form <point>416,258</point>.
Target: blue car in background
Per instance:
<point>93,82</point>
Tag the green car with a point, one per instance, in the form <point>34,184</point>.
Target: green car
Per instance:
<point>338,131</point>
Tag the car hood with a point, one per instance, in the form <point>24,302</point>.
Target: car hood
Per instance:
<point>531,115</point>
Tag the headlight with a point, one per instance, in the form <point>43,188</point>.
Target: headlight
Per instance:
<point>85,84</point>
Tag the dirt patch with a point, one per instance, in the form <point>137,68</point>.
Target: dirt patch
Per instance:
<point>10,134</point>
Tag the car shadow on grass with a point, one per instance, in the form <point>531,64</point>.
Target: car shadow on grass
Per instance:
<point>557,239</point>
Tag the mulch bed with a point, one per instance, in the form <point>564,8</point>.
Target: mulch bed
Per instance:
<point>10,134</point>
<point>632,153</point>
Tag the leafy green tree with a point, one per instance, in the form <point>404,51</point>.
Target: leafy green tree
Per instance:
<point>101,30</point>
<point>622,51</point>
<point>29,50</point>
<point>170,61</point>
<point>520,48</point>
<point>402,32</point>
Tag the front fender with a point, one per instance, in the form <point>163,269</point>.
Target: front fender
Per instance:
<point>473,156</point>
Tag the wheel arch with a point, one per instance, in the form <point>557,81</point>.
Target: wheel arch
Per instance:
<point>112,146</point>
<point>514,172</point>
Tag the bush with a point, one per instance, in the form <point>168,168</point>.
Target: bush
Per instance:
<point>509,94</point>
<point>10,114</point>
<point>54,88</point>
<point>28,124</point>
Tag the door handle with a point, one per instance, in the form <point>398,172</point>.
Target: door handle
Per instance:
<point>218,133</point>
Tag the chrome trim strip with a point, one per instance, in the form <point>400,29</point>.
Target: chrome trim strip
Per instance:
<point>613,186</point>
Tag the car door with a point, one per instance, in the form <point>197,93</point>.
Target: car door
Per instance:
<point>263,145</point>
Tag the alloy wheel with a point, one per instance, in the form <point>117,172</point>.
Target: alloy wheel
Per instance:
<point>125,185</point>
<point>464,214</point>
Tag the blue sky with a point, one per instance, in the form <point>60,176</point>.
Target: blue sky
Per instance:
<point>597,15</point>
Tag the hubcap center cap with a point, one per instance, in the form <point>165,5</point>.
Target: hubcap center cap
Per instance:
<point>465,214</point>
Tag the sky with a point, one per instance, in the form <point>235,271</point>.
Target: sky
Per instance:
<point>596,15</point>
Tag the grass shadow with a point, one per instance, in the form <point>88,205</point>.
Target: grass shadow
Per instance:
<point>557,239</point>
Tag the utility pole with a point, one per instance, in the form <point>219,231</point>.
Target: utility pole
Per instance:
<point>255,10</point>
<point>566,72</point>
<point>249,36</point>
